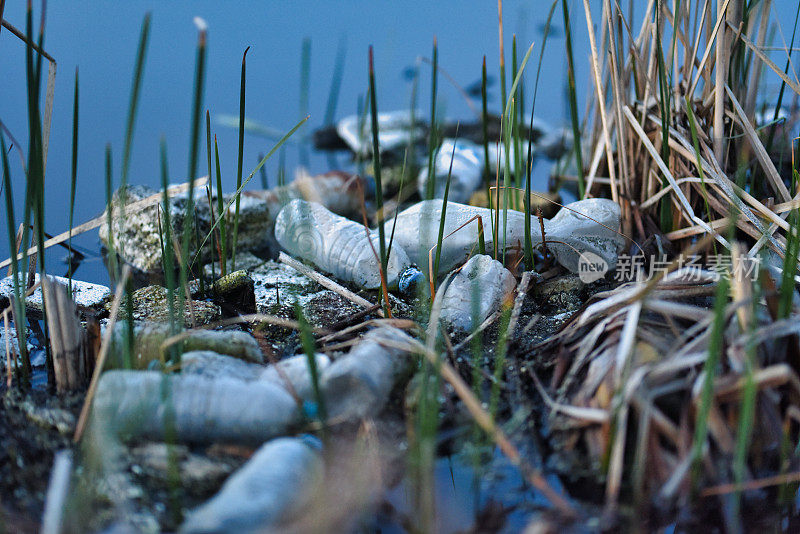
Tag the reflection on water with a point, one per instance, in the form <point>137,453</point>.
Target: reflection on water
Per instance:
<point>493,494</point>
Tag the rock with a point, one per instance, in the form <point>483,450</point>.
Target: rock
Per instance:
<point>197,472</point>
<point>563,293</point>
<point>136,236</point>
<point>358,384</point>
<point>244,261</point>
<point>84,294</point>
<point>486,279</point>
<point>48,417</point>
<point>277,287</point>
<point>236,291</point>
<point>337,245</point>
<point>150,304</point>
<point>327,308</point>
<point>270,489</point>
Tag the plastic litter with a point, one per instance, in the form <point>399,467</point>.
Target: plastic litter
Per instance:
<point>358,385</point>
<point>394,129</point>
<point>481,278</point>
<point>571,235</point>
<point>270,489</point>
<point>337,245</point>
<point>131,404</point>
<point>467,170</point>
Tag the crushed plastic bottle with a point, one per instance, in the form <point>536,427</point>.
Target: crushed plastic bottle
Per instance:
<point>358,384</point>
<point>275,484</point>
<point>580,228</point>
<point>337,245</point>
<point>481,278</point>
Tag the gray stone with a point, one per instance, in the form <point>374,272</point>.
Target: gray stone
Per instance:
<point>85,294</point>
<point>150,304</point>
<point>135,237</point>
<point>277,287</point>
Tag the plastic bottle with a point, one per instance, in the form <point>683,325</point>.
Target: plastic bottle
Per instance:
<point>481,278</point>
<point>270,489</point>
<point>394,129</point>
<point>465,176</point>
<point>358,385</point>
<point>337,245</point>
<point>570,235</point>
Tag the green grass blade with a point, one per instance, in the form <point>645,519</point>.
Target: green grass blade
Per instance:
<point>305,85</point>
<point>197,104</point>
<point>485,127</point>
<point>435,274</point>
<point>19,304</point>
<point>223,212</point>
<point>263,174</point>
<point>432,138</point>
<point>573,101</point>
<point>244,184</point>
<point>336,81</point>
<point>168,259</point>
<point>74,172</point>
<point>307,341</point>
<point>696,145</point>
<point>136,85</point>
<point>242,85</point>
<point>376,158</point>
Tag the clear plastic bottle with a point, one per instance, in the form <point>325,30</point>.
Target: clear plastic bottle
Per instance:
<point>275,484</point>
<point>467,170</point>
<point>337,245</point>
<point>358,384</point>
<point>589,225</point>
<point>482,279</point>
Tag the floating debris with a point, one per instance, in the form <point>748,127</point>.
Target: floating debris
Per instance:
<point>395,130</point>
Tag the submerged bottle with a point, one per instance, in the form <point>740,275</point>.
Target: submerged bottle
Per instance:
<point>337,245</point>
<point>580,231</point>
<point>275,484</point>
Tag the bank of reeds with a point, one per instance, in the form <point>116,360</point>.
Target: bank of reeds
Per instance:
<point>683,382</point>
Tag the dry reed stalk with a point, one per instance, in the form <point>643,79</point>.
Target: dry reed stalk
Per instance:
<point>67,338</point>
